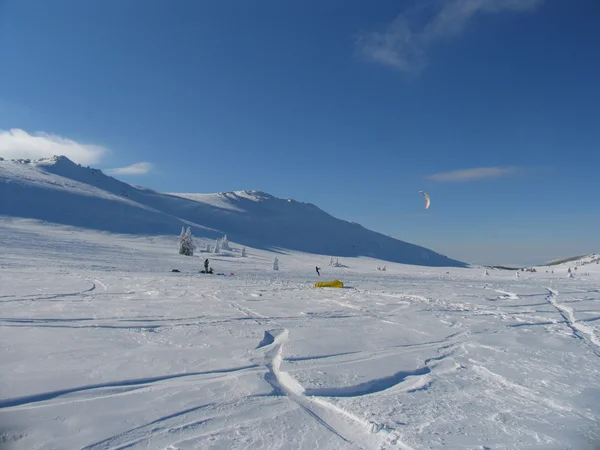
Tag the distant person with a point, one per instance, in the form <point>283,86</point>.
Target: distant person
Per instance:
<point>206,265</point>
<point>318,268</point>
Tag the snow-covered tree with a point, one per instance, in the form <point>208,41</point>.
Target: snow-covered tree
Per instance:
<point>208,248</point>
<point>182,247</point>
<point>276,264</point>
<point>225,243</point>
<point>218,246</point>
<point>244,252</point>
<point>190,241</point>
<point>331,261</point>
<point>186,242</point>
<point>383,268</point>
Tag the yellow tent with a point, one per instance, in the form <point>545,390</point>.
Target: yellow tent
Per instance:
<point>333,284</point>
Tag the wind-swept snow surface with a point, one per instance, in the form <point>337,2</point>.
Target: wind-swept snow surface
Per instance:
<point>59,191</point>
<point>104,347</point>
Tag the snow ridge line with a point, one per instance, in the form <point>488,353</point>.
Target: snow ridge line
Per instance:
<point>320,409</point>
<point>32,298</point>
<point>581,331</point>
<point>45,396</point>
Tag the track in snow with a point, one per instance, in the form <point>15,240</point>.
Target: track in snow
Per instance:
<point>188,424</point>
<point>580,331</point>
<point>58,297</point>
<point>337,420</point>
<point>45,396</point>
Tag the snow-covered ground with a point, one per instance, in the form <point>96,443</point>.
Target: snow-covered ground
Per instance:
<point>102,346</point>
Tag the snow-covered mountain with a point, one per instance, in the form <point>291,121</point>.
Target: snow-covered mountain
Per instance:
<point>60,191</point>
<point>581,260</point>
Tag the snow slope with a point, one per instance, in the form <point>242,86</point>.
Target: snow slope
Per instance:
<point>59,191</point>
<point>105,347</point>
<point>575,261</point>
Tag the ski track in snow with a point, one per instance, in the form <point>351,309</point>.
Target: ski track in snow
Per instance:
<point>211,418</point>
<point>45,396</point>
<point>370,355</point>
<point>580,331</point>
<point>335,419</point>
<point>57,297</point>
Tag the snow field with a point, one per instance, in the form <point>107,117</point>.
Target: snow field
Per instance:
<point>104,347</point>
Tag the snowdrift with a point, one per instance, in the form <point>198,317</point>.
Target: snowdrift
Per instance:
<point>60,191</point>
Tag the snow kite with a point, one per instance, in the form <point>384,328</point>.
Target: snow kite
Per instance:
<point>427,199</point>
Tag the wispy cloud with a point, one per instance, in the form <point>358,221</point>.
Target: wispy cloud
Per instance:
<point>404,48</point>
<point>140,168</point>
<point>17,143</point>
<point>474,174</point>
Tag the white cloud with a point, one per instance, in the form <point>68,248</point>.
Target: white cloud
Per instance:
<point>17,143</point>
<point>403,48</point>
<point>474,174</point>
<point>140,168</point>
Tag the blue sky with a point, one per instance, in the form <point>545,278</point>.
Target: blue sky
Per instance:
<point>491,106</point>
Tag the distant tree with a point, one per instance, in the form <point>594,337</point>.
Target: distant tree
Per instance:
<point>244,252</point>
<point>182,244</point>
<point>186,242</point>
<point>218,246</point>
<point>190,240</point>
<point>225,243</point>
<point>208,248</point>
<point>331,261</point>
<point>276,264</point>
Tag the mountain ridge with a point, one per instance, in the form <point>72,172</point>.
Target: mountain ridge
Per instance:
<point>60,191</point>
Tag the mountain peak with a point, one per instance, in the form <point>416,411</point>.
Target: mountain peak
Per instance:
<point>62,165</point>
<point>56,159</point>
